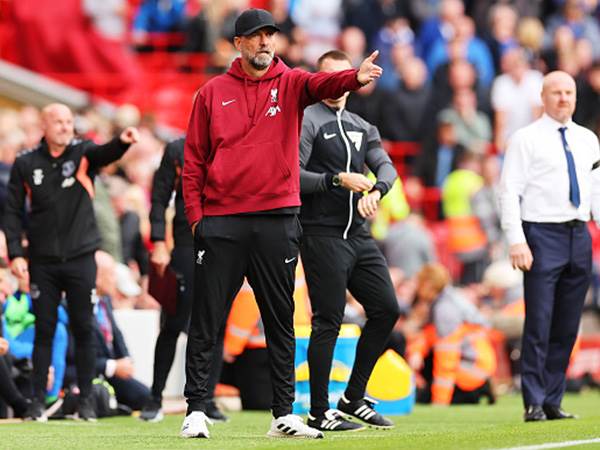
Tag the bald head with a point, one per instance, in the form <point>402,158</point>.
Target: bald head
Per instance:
<point>57,123</point>
<point>558,95</point>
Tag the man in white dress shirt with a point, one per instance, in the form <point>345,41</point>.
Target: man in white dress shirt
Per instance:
<point>547,189</point>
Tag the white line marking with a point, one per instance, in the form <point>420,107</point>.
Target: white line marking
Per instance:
<point>555,445</point>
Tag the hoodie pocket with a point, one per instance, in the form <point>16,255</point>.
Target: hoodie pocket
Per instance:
<point>250,170</point>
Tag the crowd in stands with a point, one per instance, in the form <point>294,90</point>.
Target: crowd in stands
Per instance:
<point>459,79</point>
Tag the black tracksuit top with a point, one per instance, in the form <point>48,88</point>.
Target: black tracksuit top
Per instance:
<point>167,179</point>
<point>334,141</point>
<point>58,194</point>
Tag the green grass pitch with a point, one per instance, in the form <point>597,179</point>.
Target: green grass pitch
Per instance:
<point>457,427</point>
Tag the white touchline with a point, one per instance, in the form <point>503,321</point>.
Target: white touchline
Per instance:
<point>554,445</point>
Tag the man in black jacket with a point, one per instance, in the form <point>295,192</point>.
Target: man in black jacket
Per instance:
<point>167,179</point>
<point>55,180</point>
<point>338,252</point>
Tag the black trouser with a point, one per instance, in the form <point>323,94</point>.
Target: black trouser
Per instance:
<point>264,249</point>
<point>77,278</point>
<point>130,392</point>
<point>250,374</point>
<point>9,393</point>
<point>182,262</point>
<point>331,266</point>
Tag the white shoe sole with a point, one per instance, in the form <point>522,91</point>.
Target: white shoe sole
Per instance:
<point>42,419</point>
<point>193,436</point>
<point>280,434</point>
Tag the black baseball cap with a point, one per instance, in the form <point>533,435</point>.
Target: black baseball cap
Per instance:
<point>253,19</point>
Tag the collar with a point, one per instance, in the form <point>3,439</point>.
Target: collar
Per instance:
<point>555,124</point>
<point>333,110</point>
<point>46,150</point>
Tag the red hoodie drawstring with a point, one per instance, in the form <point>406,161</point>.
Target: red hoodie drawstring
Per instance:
<point>254,118</point>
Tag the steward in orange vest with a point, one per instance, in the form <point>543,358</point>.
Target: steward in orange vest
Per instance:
<point>453,353</point>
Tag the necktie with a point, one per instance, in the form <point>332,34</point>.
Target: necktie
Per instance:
<point>573,185</point>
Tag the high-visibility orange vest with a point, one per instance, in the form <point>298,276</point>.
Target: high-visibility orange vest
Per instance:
<point>465,358</point>
<point>243,324</point>
<point>465,234</point>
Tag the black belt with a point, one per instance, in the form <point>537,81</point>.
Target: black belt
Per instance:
<point>575,223</point>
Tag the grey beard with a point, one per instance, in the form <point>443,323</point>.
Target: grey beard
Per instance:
<point>261,62</point>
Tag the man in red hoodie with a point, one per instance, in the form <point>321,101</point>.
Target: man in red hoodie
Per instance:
<point>241,189</point>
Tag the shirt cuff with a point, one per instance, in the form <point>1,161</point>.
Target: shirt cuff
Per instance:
<point>110,368</point>
<point>516,236</point>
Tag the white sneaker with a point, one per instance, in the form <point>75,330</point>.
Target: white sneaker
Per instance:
<point>194,425</point>
<point>292,426</point>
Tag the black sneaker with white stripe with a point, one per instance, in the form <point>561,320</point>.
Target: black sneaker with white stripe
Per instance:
<point>332,420</point>
<point>363,410</point>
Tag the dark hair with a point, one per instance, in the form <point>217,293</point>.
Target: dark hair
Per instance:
<point>336,55</point>
<point>3,263</point>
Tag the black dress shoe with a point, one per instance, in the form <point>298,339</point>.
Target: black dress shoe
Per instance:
<point>556,413</point>
<point>534,413</point>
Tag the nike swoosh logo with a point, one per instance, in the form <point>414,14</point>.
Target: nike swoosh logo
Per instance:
<point>329,136</point>
<point>289,260</point>
<point>227,102</point>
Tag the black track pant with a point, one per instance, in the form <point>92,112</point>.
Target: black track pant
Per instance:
<point>182,262</point>
<point>77,278</point>
<point>264,249</point>
<point>9,393</point>
<point>331,265</point>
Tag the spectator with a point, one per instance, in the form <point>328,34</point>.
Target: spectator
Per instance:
<point>199,30</point>
<point>471,127</point>
<point>477,53</point>
<point>466,238</point>
<point>396,31</point>
<point>530,34</point>
<point>515,96</point>
<point>408,246</point>
<point>9,393</point>
<point>134,252</point>
<point>460,74</point>
<point>352,41</point>
<point>439,155</point>
<point>501,36</point>
<point>370,15</point>
<point>588,99</point>
<point>485,207</point>
<point>403,112</point>
<point>576,16</point>
<point>368,103</point>
<point>112,355</point>
<point>320,20</point>
<point>19,330</point>
<point>441,27</point>
<point>563,46</point>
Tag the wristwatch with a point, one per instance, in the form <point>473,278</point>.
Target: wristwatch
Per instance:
<point>336,180</point>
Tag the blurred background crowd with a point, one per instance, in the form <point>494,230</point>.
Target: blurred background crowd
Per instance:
<point>459,78</point>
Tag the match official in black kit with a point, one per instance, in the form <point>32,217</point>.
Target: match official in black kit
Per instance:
<point>338,252</point>
<point>53,186</point>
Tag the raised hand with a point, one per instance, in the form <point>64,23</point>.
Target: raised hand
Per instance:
<point>368,70</point>
<point>130,135</point>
